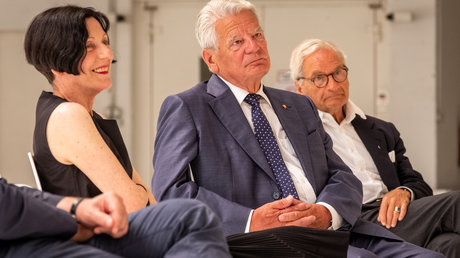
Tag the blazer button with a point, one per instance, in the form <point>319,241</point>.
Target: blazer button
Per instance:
<point>276,195</point>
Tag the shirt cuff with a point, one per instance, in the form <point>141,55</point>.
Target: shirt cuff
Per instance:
<point>412,195</point>
<point>337,220</point>
<point>248,224</point>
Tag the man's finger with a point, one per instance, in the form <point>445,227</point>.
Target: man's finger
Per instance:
<point>303,222</point>
<point>291,216</point>
<point>102,220</point>
<point>113,207</point>
<point>115,231</point>
<point>120,225</point>
<point>403,211</point>
<point>394,219</point>
<point>105,228</point>
<point>303,206</point>
<point>383,213</point>
<point>283,203</point>
<point>391,214</point>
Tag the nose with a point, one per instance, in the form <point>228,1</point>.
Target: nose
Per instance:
<point>105,52</point>
<point>252,46</point>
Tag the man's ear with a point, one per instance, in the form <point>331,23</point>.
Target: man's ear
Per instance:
<point>298,87</point>
<point>208,56</point>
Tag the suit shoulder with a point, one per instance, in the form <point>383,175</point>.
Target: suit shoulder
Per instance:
<point>196,90</point>
<point>195,100</point>
<point>191,94</point>
<point>380,122</point>
<point>280,92</point>
<point>290,96</point>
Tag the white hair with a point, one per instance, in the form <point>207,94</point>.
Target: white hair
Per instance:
<point>205,27</point>
<point>306,48</point>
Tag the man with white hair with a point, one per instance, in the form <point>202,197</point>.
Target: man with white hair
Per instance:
<point>258,156</point>
<point>394,194</point>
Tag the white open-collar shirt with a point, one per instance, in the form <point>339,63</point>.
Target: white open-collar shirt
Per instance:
<point>348,145</point>
<point>301,183</point>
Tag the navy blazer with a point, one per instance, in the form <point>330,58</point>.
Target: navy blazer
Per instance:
<point>27,213</point>
<point>380,138</point>
<point>205,149</point>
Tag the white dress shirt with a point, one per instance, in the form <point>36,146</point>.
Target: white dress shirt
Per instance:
<point>351,149</point>
<point>301,183</point>
<point>349,146</point>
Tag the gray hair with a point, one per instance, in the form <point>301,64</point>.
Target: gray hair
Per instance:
<point>306,48</point>
<point>205,27</point>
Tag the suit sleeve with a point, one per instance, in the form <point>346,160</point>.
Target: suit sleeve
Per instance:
<point>29,213</point>
<point>176,147</point>
<point>407,175</point>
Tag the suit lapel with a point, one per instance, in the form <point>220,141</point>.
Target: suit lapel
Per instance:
<point>375,143</point>
<point>229,112</point>
<point>289,119</point>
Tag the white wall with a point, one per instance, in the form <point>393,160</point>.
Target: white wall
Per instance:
<point>448,94</point>
<point>20,86</point>
<point>17,14</point>
<point>287,25</point>
<point>409,76</point>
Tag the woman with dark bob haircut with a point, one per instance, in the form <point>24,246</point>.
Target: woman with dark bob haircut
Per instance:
<point>77,152</point>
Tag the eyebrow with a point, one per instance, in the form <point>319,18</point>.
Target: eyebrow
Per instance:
<point>237,35</point>
<point>316,72</point>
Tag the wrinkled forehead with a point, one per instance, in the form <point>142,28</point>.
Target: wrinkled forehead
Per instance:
<point>323,60</point>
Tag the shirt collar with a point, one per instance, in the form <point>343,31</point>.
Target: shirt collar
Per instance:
<point>240,94</point>
<point>351,110</point>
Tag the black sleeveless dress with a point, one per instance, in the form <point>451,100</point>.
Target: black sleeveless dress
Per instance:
<point>68,180</point>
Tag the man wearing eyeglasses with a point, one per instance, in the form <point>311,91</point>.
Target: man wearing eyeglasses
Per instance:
<point>258,156</point>
<point>374,151</point>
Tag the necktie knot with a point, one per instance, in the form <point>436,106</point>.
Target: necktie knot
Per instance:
<point>252,99</point>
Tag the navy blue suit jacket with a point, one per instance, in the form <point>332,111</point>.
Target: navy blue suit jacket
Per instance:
<point>380,138</point>
<point>27,213</point>
<point>203,132</point>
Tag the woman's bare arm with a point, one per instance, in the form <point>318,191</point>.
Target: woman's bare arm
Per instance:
<point>74,139</point>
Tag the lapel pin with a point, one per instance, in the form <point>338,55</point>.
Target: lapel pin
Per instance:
<point>378,146</point>
<point>284,106</point>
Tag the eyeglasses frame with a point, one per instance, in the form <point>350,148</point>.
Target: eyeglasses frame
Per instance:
<point>344,67</point>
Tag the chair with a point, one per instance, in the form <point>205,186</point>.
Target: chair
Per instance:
<point>34,171</point>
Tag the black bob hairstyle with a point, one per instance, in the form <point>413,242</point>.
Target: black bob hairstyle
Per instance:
<point>56,39</point>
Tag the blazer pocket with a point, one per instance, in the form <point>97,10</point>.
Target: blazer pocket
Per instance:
<point>392,157</point>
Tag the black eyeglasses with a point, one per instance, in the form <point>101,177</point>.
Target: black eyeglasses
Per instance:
<point>322,80</point>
